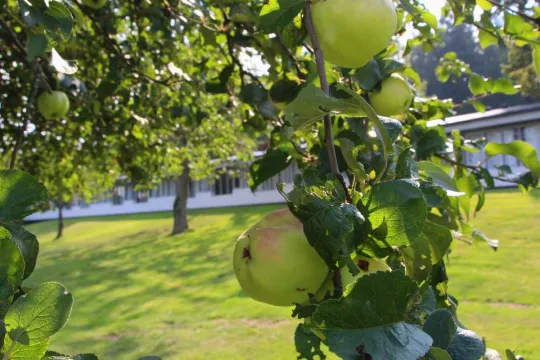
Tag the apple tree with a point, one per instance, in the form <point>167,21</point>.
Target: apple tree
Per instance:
<point>375,188</point>
<point>173,86</point>
<point>138,103</point>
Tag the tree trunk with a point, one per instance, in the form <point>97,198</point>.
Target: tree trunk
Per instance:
<point>180,203</point>
<point>60,222</point>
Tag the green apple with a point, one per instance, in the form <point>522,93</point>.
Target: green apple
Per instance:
<point>241,13</point>
<point>352,32</point>
<point>94,4</point>
<point>283,92</point>
<point>366,266</point>
<point>274,262</point>
<point>53,105</point>
<point>393,97</point>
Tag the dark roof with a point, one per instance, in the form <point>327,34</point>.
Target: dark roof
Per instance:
<point>494,113</point>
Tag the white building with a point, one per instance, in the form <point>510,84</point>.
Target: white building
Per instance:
<point>501,125</point>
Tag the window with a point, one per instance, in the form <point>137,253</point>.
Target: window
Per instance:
<point>119,192</point>
<point>223,185</point>
<point>519,134</point>
<point>142,197</point>
<point>191,189</point>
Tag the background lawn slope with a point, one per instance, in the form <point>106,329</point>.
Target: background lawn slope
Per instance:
<point>139,291</point>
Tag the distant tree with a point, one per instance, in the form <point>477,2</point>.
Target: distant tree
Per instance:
<point>520,69</point>
<point>462,40</point>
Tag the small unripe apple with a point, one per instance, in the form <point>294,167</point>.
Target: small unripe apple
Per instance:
<point>94,4</point>
<point>393,98</point>
<point>283,92</point>
<point>366,266</point>
<point>53,105</point>
<point>274,262</point>
<point>352,32</point>
<point>241,13</point>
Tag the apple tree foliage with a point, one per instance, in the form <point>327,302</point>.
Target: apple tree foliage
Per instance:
<point>158,86</point>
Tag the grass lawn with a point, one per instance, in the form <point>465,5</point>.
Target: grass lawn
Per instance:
<point>139,291</point>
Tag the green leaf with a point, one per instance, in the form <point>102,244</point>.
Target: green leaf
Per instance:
<point>515,24</point>
<point>371,74</point>
<point>459,343</point>
<point>272,163</point>
<point>439,177</point>
<point>350,153</point>
<point>397,211</point>
<point>510,355</point>
<point>308,345</point>
<point>277,14</point>
<point>524,152</point>
<point>370,319</point>
<point>19,191</point>
<point>11,265</point>
<point>477,85</point>
<point>329,222</point>
<point>430,19</point>
<point>406,167</point>
<point>36,45</point>
<point>226,73</point>
<point>312,104</point>
<point>35,317</point>
<point>94,357</point>
<point>58,21</point>
<point>436,353</point>
<point>487,39</point>
<point>428,141</point>
<point>468,184</point>
<point>504,86</point>
<point>27,243</point>
<point>417,259</point>
<point>29,352</point>
<point>393,127</point>
<point>439,238</point>
<point>536,59</point>
<point>484,4</point>
<point>215,88</point>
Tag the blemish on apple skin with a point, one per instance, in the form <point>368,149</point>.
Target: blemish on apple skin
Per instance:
<point>300,289</point>
<point>246,254</point>
<point>363,265</point>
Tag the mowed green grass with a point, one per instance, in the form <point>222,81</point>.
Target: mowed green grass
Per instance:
<point>139,291</point>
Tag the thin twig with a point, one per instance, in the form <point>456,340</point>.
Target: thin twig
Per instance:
<point>29,110</point>
<point>24,53</point>
<point>291,56</point>
<point>319,58</point>
<point>468,101</point>
<point>474,168</point>
<point>517,12</point>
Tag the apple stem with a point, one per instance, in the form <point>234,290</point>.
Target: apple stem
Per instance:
<point>319,59</point>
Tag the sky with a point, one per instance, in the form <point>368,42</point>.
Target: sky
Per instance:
<point>434,6</point>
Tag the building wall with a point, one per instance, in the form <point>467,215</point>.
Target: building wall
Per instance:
<point>529,132</point>
<point>230,191</point>
<point>226,191</point>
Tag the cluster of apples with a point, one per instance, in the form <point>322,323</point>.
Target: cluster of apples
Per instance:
<point>273,260</point>
<point>275,264</point>
<point>351,33</point>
